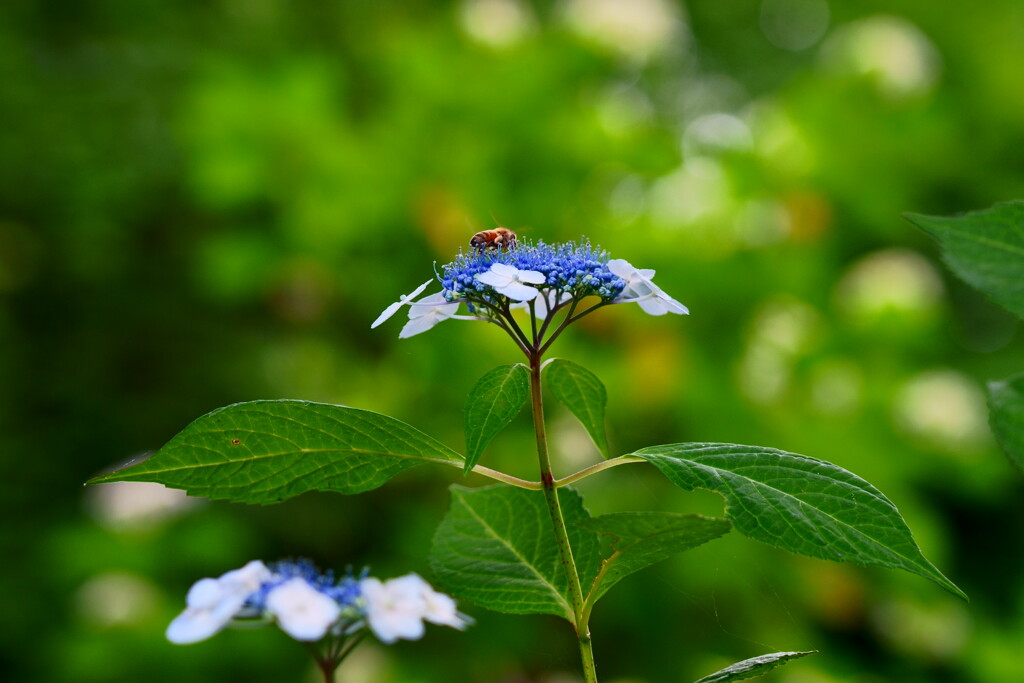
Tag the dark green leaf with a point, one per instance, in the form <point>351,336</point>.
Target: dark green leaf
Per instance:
<point>1006,414</point>
<point>492,404</point>
<point>579,390</point>
<point>803,505</point>
<point>639,539</point>
<point>495,547</point>
<point>985,248</point>
<point>755,666</point>
<point>267,451</point>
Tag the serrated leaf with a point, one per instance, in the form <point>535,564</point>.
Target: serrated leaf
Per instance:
<point>579,390</point>
<point>267,451</point>
<point>985,249</point>
<point>1006,415</point>
<point>495,547</point>
<point>800,504</point>
<point>493,403</point>
<point>755,666</point>
<point>640,539</point>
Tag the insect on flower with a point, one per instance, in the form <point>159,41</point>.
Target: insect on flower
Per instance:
<point>499,239</point>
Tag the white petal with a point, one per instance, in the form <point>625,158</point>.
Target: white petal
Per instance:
<point>660,304</point>
<point>441,610</point>
<point>676,307</point>
<point>519,292</point>
<point>531,276</point>
<point>394,609</point>
<point>421,324</point>
<point>194,625</point>
<point>621,268</point>
<point>204,594</point>
<point>646,273</point>
<point>402,300</point>
<point>248,578</point>
<point>302,611</point>
<point>435,304</point>
<point>504,270</point>
<point>387,313</point>
<point>653,306</point>
<point>493,279</point>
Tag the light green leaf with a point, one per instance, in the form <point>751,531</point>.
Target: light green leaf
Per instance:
<point>1006,415</point>
<point>492,404</point>
<point>984,248</point>
<point>797,503</point>
<point>267,451</point>
<point>495,547</point>
<point>755,666</point>
<point>579,390</point>
<point>639,539</point>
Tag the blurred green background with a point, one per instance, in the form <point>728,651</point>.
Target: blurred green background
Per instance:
<point>209,202</point>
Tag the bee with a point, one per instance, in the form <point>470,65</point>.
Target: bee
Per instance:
<point>498,239</point>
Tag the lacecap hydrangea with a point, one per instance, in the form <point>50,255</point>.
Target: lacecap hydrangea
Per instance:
<point>310,605</point>
<point>545,279</point>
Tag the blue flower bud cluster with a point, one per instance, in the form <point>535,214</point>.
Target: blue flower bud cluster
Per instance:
<point>575,268</point>
<point>344,591</point>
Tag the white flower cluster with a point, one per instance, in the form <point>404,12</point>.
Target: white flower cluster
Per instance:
<point>309,606</point>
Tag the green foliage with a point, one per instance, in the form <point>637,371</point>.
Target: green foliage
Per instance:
<point>803,505</point>
<point>1006,405</point>
<point>985,248</point>
<point>268,451</point>
<point>640,539</point>
<point>755,666</point>
<point>496,548</point>
<point>579,390</point>
<point>492,404</point>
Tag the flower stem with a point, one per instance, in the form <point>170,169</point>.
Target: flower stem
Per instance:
<point>580,620</point>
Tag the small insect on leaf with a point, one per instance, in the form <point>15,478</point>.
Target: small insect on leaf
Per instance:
<point>236,442</point>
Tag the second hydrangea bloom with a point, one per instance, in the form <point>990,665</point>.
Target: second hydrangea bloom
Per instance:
<point>309,605</point>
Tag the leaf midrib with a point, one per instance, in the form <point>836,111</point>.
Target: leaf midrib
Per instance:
<point>487,527</point>
<point>718,472</point>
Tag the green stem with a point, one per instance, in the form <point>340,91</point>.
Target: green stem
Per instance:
<point>580,623</point>
<point>502,477</point>
<point>594,469</point>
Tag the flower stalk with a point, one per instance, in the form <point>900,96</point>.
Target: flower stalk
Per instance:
<point>580,619</point>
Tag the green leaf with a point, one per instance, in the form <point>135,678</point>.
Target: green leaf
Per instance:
<point>639,539</point>
<point>755,666</point>
<point>579,390</point>
<point>492,404</point>
<point>797,503</point>
<point>984,248</point>
<point>1006,415</point>
<point>267,451</point>
<point>495,547</point>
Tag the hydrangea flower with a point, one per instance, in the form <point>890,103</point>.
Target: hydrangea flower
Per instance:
<point>427,312</point>
<point>511,282</point>
<point>397,608</point>
<point>313,606</point>
<point>302,611</point>
<point>641,290</point>
<point>211,604</point>
<point>549,281</point>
